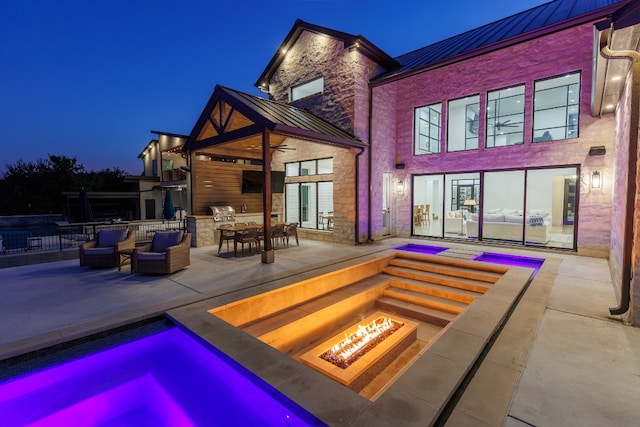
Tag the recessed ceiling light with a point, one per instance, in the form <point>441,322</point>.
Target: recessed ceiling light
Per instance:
<point>609,106</point>
<point>615,78</point>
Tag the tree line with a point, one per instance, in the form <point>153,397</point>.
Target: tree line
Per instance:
<point>28,188</point>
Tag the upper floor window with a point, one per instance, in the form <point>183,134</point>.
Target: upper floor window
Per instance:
<point>556,108</point>
<point>309,167</point>
<point>427,129</point>
<point>463,118</point>
<point>505,117</point>
<point>307,89</point>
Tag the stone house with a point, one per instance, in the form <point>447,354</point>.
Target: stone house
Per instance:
<point>520,132</point>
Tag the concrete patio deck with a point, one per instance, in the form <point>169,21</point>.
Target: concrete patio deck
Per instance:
<point>560,359</point>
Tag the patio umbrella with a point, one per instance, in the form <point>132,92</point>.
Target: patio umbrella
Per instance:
<point>168,211</point>
<point>85,214</point>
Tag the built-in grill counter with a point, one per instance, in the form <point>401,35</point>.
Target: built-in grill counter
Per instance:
<point>205,227</point>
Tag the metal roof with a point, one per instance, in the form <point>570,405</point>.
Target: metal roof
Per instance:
<point>280,118</point>
<point>546,17</point>
<point>285,116</point>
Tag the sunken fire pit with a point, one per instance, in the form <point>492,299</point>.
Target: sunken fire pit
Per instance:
<point>359,353</point>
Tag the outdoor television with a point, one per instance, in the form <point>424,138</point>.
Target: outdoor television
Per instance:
<point>252,181</point>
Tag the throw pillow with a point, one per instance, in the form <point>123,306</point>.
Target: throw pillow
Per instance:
<point>536,220</point>
<point>163,239</point>
<point>109,238</point>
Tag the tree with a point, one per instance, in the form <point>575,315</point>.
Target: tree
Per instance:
<point>37,187</point>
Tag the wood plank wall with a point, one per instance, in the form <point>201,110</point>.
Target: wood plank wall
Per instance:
<point>220,184</point>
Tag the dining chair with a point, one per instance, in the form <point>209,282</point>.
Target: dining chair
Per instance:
<point>225,236</point>
<point>277,233</point>
<point>291,231</point>
<point>248,236</point>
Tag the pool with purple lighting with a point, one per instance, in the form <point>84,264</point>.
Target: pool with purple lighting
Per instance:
<point>167,378</point>
<point>423,249</point>
<point>513,260</point>
<point>497,258</point>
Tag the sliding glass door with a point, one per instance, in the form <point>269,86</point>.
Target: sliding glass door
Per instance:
<point>503,206</point>
<point>552,207</point>
<point>527,206</point>
<point>428,205</point>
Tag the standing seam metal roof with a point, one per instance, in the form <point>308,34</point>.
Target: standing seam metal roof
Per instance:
<point>519,24</point>
<point>283,114</point>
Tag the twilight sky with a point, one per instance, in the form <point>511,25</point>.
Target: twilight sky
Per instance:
<point>90,79</point>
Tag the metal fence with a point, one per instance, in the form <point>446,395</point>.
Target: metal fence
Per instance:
<point>67,236</point>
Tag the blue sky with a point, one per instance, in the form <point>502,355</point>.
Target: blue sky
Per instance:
<point>90,79</point>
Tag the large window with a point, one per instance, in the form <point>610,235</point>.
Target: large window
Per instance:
<point>307,89</point>
<point>505,117</point>
<point>463,118</point>
<point>427,129</point>
<point>556,108</point>
<point>309,203</point>
<point>527,206</point>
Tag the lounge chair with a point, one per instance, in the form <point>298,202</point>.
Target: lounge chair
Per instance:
<point>167,253</point>
<point>103,250</point>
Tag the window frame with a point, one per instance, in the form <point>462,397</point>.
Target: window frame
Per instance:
<point>509,117</point>
<point>433,143</point>
<point>570,108</point>
<point>471,124</point>
<point>308,85</point>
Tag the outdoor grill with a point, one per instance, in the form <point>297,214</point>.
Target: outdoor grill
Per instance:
<point>223,213</point>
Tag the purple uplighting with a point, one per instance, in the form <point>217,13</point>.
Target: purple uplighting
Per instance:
<point>423,249</point>
<point>513,260</point>
<point>165,379</point>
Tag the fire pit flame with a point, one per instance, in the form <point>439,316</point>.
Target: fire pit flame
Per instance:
<point>357,343</point>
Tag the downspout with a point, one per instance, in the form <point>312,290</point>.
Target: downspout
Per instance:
<point>369,165</point>
<point>627,251</point>
<point>358,195</point>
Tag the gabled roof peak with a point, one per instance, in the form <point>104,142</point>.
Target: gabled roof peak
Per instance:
<point>350,40</point>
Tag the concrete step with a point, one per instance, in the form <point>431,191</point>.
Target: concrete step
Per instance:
<point>440,279</point>
<point>429,266</point>
<point>414,311</point>
<point>442,291</point>
<point>425,300</point>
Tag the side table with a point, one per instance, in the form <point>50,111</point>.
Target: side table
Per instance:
<point>124,255</point>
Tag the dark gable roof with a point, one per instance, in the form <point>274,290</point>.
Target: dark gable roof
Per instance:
<point>543,19</point>
<point>285,118</point>
<point>278,117</point>
<point>365,46</point>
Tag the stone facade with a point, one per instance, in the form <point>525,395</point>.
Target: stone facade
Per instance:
<point>545,57</point>
<point>344,188</point>
<point>344,102</point>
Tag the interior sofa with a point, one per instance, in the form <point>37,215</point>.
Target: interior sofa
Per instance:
<point>453,222</point>
<point>506,224</point>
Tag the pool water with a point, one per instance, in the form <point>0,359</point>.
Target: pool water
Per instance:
<point>168,378</point>
<point>513,260</point>
<point>423,249</point>
<point>505,259</point>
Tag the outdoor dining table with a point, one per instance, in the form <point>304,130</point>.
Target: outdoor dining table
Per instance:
<point>237,229</point>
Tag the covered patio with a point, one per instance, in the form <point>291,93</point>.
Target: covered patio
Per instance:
<point>238,132</point>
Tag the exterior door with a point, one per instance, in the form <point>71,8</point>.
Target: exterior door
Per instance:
<point>386,204</point>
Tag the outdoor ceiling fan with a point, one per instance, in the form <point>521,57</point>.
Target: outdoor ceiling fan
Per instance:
<point>281,147</point>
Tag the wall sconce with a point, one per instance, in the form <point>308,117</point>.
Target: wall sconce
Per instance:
<point>598,150</point>
<point>400,187</point>
<point>595,180</point>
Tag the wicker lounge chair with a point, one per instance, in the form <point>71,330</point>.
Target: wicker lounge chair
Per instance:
<point>168,252</point>
<point>103,251</point>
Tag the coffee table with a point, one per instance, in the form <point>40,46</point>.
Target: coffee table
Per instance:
<point>123,256</point>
